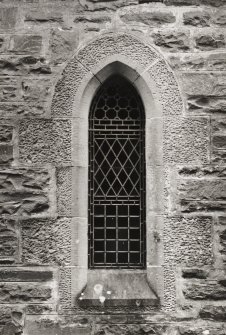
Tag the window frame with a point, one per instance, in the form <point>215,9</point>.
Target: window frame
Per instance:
<point>94,133</point>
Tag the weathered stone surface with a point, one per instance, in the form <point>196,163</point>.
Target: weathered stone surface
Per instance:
<point>186,140</point>
<point>64,191</point>
<point>8,93</point>
<point>23,65</point>
<point>8,17</point>
<point>20,44</point>
<point>181,2</point>
<point>63,44</point>
<point>198,328</point>
<point>6,133</point>
<point>18,109</point>
<point>206,171</point>
<point>24,191</point>
<point>93,5</point>
<point>172,40</point>
<point>197,18</point>
<point>45,141</point>
<point>19,293</point>
<point>206,92</point>
<point>215,61</point>
<point>198,273</point>
<point>205,84</point>
<point>11,320</point>
<point>202,195</point>
<point>222,220</point>
<point>6,154</point>
<point>218,140</point>
<point>210,41</point>
<point>66,89</point>
<point>35,90</point>
<point>216,313</point>
<point>219,17</point>
<point>188,241</point>
<point>46,241</point>
<point>205,290</point>
<point>169,294</point>
<point>215,3</point>
<point>169,94</point>
<point>206,104</point>
<point>150,18</point>
<point>9,241</point>
<point>43,15</point>
<point>24,275</point>
<point>122,44</point>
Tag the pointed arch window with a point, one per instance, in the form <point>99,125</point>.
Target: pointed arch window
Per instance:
<point>117,177</point>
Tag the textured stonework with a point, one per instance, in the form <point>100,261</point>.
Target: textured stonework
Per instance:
<point>53,57</point>
<point>45,141</point>
<point>46,241</point>
<point>25,191</point>
<point>187,241</point>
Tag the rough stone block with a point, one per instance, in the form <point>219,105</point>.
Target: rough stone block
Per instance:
<point>209,41</point>
<point>27,44</point>
<point>33,90</point>
<point>186,140</point>
<point>66,89</point>
<point>8,17</point>
<point>122,44</point>
<point>169,301</point>
<point>166,83</point>
<point>11,320</point>
<point>198,328</point>
<point>202,195</point>
<point>8,93</point>
<point>205,92</point>
<point>43,15</point>
<point>6,133</point>
<point>205,171</point>
<point>172,40</point>
<point>52,325</point>
<point>219,17</point>
<point>204,84</point>
<point>45,141</point>
<point>206,104</point>
<point>214,62</point>
<point>197,273</point>
<point>181,2</point>
<point>188,241</point>
<point>214,3</point>
<point>9,241</point>
<point>64,191</point>
<point>151,18</point>
<point>197,18</point>
<point>25,191</point>
<point>205,290</point>
<point>27,109</point>
<point>21,293</point>
<point>216,313</point>
<point>62,45</point>
<point>12,65</point>
<point>24,275</point>
<point>218,140</point>
<point>6,153</point>
<point>46,241</point>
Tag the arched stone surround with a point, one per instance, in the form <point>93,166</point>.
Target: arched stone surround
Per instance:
<point>147,70</point>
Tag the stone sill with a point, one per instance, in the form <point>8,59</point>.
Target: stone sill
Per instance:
<point>114,288</point>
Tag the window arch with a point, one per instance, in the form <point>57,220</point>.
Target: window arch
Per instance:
<point>117,177</point>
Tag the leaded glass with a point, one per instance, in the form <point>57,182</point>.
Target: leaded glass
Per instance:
<point>116,177</point>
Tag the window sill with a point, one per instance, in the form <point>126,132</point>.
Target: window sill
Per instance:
<point>113,288</point>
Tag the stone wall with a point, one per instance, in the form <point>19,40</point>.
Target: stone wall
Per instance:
<point>41,214</point>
